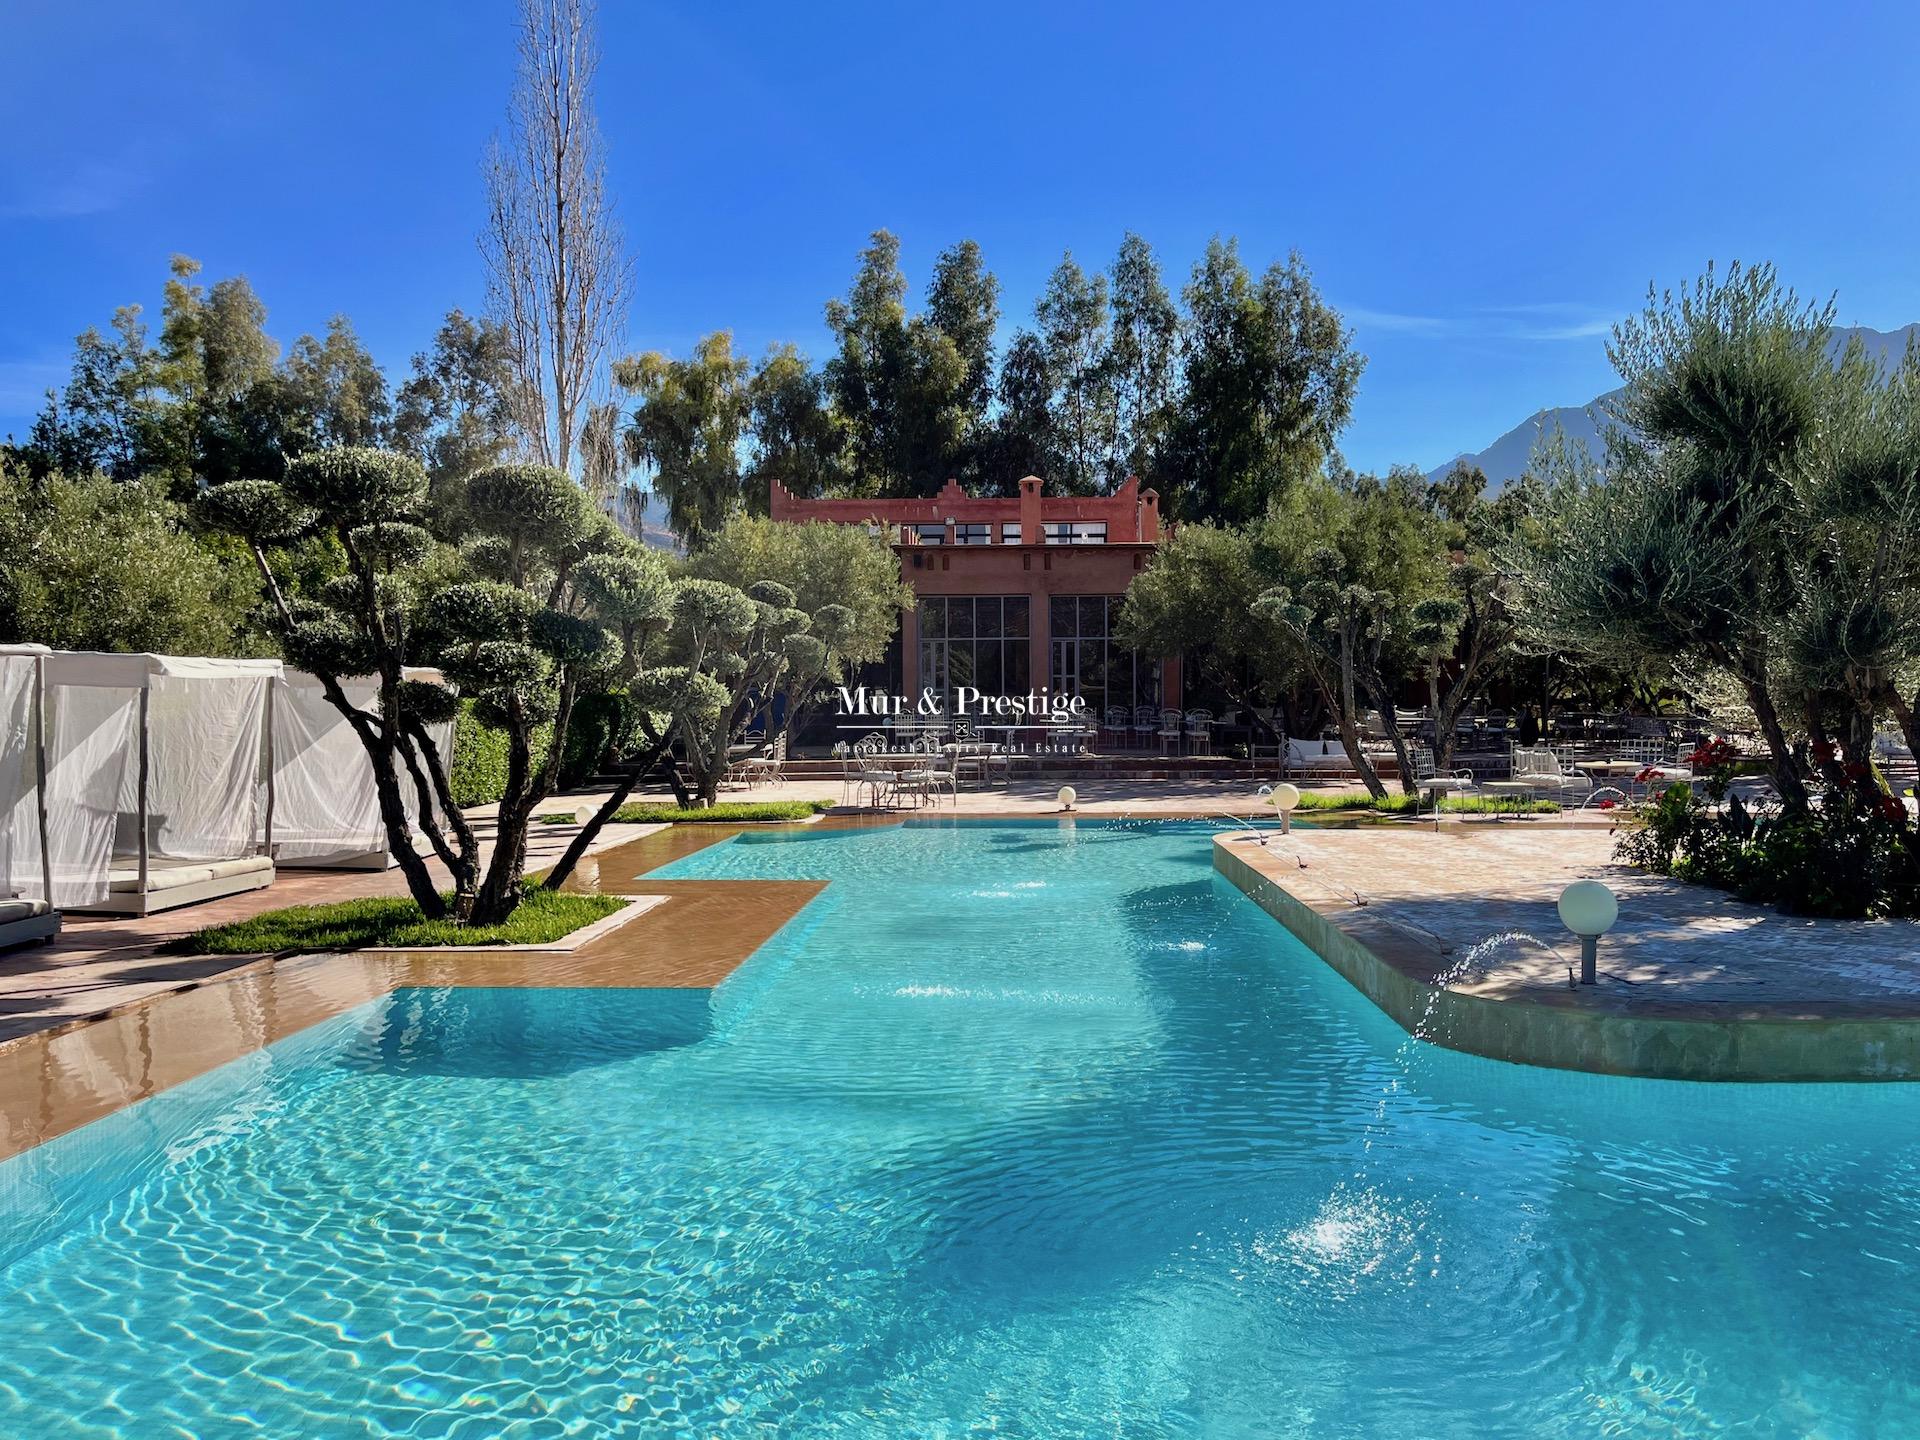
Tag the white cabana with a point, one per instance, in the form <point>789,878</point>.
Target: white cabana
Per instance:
<point>158,779</point>
<point>326,814</point>
<point>26,912</point>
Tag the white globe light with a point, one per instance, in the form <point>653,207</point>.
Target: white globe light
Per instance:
<point>1067,796</point>
<point>1588,908</point>
<point>583,815</point>
<point>1286,797</point>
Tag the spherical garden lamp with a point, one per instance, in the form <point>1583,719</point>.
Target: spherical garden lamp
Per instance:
<point>1067,796</point>
<point>1588,909</point>
<point>1285,799</point>
<point>582,814</point>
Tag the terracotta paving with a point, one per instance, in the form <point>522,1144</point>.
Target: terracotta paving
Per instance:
<point>62,1076</point>
<point>100,963</point>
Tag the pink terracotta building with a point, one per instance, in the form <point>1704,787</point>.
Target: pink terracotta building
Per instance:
<point>1016,592</point>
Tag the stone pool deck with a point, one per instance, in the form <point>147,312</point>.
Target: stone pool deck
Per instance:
<point>1694,984</point>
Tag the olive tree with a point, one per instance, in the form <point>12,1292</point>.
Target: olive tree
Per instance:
<point>1197,599</point>
<point>1751,515</point>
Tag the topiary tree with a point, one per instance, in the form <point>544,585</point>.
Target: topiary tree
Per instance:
<point>742,643</point>
<point>1357,559</point>
<point>631,592</point>
<point>504,620</point>
<point>846,579</point>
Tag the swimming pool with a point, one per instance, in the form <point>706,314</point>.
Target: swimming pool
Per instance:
<point>1029,1129</point>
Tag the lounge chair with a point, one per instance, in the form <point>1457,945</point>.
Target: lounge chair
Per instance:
<point>23,922</point>
<point>1317,757</point>
<point>1539,770</point>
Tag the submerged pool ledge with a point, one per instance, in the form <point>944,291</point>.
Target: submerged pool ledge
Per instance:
<point>1612,1029</point>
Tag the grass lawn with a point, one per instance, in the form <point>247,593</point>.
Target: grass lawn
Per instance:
<point>1408,804</point>
<point>391,920</point>
<point>656,812</point>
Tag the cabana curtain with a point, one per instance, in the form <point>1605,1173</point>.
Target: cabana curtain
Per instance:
<point>22,858</point>
<point>325,805</point>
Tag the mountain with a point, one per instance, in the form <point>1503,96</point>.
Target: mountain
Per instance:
<point>1505,460</point>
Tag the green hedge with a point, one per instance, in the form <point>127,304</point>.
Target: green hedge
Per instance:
<point>479,774</point>
<point>598,722</point>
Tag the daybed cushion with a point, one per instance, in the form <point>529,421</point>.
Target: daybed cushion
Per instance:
<point>169,874</point>
<point>1316,755</point>
<point>245,865</point>
<point>12,910</point>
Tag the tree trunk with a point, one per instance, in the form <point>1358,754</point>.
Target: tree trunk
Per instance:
<point>500,892</point>
<point>466,873</point>
<point>1382,697</point>
<point>1786,776</point>
<point>1363,767</point>
<point>393,816</point>
<point>557,876</point>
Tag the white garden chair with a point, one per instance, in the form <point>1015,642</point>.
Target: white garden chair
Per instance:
<point>1199,732</point>
<point>1427,779</point>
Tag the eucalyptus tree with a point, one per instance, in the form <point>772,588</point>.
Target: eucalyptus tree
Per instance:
<point>686,431</point>
<point>453,413</point>
<point>1073,320</point>
<point>507,624</point>
<point>1021,439</point>
<point>795,435</point>
<point>1268,375</point>
<point>898,382</point>
<point>1141,362</point>
<point>963,303</point>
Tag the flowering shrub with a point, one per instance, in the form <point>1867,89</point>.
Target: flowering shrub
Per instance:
<point>1852,855</point>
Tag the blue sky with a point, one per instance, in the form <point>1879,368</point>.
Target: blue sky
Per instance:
<point>1480,188</point>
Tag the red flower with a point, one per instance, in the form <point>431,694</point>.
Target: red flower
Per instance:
<point>1854,770</point>
<point>1607,804</point>
<point>1891,808</point>
<point>1712,754</point>
<point>1652,772</point>
<point>1824,751</point>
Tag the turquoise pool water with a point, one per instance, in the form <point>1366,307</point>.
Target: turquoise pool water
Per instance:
<point>1031,1130</point>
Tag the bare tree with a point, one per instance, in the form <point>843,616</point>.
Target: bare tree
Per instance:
<point>558,277</point>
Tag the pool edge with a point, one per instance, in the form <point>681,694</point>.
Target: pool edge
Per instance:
<point>1389,967</point>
